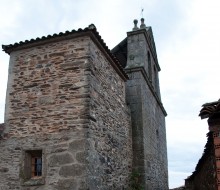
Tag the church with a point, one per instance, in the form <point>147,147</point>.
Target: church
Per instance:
<point>81,116</point>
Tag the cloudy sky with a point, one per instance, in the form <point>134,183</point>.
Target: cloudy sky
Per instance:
<point>187,38</point>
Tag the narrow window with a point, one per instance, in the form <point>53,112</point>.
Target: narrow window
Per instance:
<point>36,166</point>
<point>157,134</point>
<point>156,81</point>
<point>33,164</point>
<point>149,66</point>
<point>32,171</point>
<point>158,141</point>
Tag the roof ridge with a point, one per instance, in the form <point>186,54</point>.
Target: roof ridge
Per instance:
<point>91,27</point>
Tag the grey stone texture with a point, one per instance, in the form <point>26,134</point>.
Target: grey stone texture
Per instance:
<point>109,137</point>
<point>147,113</point>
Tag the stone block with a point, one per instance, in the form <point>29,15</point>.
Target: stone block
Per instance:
<point>45,100</point>
<point>67,184</point>
<point>60,159</point>
<point>73,170</point>
<point>77,145</point>
<point>81,157</point>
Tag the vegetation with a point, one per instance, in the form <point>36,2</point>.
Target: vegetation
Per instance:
<point>135,183</point>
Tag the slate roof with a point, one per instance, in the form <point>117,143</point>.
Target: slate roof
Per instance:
<point>91,29</point>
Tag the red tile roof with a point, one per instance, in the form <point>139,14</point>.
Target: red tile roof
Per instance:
<point>91,29</point>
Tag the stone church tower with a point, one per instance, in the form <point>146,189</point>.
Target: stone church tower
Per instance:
<point>79,116</point>
<point>138,55</point>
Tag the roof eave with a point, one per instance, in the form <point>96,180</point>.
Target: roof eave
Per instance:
<point>89,31</point>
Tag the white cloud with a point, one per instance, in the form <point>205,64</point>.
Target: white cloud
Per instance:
<point>9,12</point>
<point>178,178</point>
<point>189,78</point>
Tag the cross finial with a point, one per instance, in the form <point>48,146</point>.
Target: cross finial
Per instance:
<point>142,10</point>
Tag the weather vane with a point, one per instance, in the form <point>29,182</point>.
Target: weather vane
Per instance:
<point>142,10</point>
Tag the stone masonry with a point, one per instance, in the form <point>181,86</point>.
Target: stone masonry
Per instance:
<point>110,156</point>
<point>148,114</point>
<point>93,123</point>
<point>137,54</point>
<point>47,108</point>
<point>65,98</point>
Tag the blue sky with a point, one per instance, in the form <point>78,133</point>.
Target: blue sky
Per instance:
<point>188,45</point>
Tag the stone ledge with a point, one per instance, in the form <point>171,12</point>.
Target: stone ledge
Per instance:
<point>34,182</point>
<point>142,70</point>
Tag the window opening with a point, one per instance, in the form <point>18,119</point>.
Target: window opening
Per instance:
<point>33,163</point>
<point>36,166</point>
<point>156,80</point>
<point>149,66</point>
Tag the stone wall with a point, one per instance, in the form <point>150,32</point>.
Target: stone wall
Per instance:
<point>110,152</point>
<point>154,131</point>
<point>64,161</point>
<point>65,99</point>
<point>149,133</point>
<point>147,112</point>
<point>142,54</point>
<point>47,108</point>
<point>47,88</point>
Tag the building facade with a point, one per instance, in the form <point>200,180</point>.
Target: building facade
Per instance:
<point>79,116</point>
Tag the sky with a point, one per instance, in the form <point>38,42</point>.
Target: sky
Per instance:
<point>187,37</point>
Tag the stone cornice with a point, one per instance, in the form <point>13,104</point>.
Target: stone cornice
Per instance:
<point>142,70</point>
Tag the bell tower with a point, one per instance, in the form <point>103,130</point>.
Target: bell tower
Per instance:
<point>138,55</point>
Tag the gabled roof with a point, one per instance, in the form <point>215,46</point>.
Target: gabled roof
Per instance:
<point>90,31</point>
